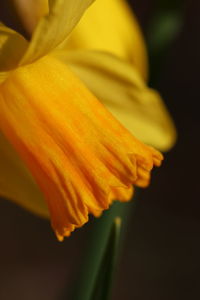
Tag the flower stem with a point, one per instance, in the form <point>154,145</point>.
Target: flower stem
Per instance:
<point>97,273</point>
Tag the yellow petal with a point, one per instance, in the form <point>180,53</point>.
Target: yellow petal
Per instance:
<point>16,182</point>
<point>109,25</point>
<point>12,48</point>
<point>120,87</point>
<point>79,154</point>
<point>55,27</point>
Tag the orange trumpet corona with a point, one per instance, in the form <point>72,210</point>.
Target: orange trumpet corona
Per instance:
<point>81,157</point>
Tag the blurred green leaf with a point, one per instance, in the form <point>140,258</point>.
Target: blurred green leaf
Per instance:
<point>164,26</point>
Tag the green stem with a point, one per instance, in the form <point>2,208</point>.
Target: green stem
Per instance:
<point>85,288</point>
<point>103,283</point>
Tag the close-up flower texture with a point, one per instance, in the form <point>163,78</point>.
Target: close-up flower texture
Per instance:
<point>78,122</point>
<point>99,109</point>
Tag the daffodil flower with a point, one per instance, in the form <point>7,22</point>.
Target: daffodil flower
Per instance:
<point>75,152</point>
<point>118,60</point>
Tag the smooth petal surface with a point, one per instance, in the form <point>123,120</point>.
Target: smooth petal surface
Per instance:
<point>81,157</point>
<point>12,48</point>
<point>55,27</point>
<point>109,25</point>
<point>120,87</point>
<point>16,182</point>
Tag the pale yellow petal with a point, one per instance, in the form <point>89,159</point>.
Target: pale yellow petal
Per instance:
<point>120,87</point>
<point>109,25</point>
<point>55,27</point>
<point>16,183</point>
<point>12,48</point>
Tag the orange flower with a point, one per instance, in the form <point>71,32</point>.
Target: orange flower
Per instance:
<point>80,156</point>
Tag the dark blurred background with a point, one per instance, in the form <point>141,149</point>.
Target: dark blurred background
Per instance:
<point>160,257</point>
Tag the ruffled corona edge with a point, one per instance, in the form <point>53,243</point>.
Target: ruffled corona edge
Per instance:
<point>120,186</point>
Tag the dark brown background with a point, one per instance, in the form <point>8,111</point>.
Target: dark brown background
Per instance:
<point>160,258</point>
